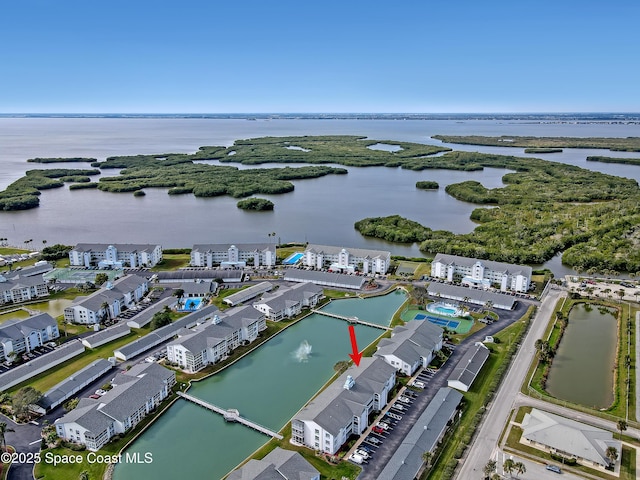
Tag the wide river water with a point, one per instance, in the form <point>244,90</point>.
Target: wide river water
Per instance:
<point>267,386</point>
<point>320,210</point>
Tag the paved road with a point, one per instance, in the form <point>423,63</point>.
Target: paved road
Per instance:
<point>372,470</point>
<point>486,441</point>
<point>535,470</point>
<point>26,439</point>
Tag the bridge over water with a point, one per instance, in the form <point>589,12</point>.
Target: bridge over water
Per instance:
<point>230,415</point>
<point>351,319</point>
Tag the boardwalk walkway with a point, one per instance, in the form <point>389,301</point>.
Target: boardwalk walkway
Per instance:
<point>351,319</point>
<point>230,415</point>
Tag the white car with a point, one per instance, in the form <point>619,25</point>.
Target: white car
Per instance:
<point>355,458</point>
<point>404,400</point>
<point>100,392</point>
<point>362,453</point>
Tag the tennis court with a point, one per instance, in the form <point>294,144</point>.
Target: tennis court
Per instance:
<point>458,324</point>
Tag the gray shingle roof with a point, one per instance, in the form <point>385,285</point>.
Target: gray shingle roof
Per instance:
<point>279,464</point>
<point>248,293</point>
<point>186,275</point>
<point>334,407</point>
<point>78,380</point>
<point>475,295</point>
<point>573,437</point>
<point>108,334</point>
<point>244,247</point>
<point>510,268</point>
<point>324,278</point>
<point>423,436</point>
<point>48,360</point>
<point>123,247</point>
<point>16,329</point>
<point>356,252</point>
<point>165,333</point>
<point>470,365</point>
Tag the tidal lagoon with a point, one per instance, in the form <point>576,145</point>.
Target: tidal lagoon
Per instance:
<point>321,210</point>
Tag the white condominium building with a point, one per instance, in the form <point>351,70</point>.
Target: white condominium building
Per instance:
<point>289,302</point>
<point>108,302</point>
<point>215,339</point>
<point>229,255</point>
<point>135,394</point>
<point>115,255</point>
<point>343,259</point>
<point>17,336</point>
<point>481,273</point>
<point>344,407</point>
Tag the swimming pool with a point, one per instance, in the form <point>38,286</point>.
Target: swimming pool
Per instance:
<point>445,309</point>
<point>190,304</point>
<point>293,258</point>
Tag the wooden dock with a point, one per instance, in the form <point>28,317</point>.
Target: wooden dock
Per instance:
<point>231,415</point>
<point>350,319</point>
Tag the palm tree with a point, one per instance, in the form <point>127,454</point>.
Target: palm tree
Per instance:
<point>519,468</point>
<point>509,466</point>
<point>44,244</point>
<point>612,454</point>
<point>106,313</point>
<point>620,293</point>
<point>622,426</point>
<point>488,304</point>
<point>427,456</point>
<point>3,430</point>
<point>489,468</point>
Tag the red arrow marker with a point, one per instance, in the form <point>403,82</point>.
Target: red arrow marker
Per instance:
<point>356,355</point>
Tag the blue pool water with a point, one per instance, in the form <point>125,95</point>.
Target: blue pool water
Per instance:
<point>420,316</point>
<point>444,309</point>
<point>191,304</point>
<point>293,259</point>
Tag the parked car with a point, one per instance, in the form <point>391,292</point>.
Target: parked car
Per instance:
<point>404,400</point>
<point>382,425</point>
<point>378,429</point>
<point>553,468</point>
<point>373,440</point>
<point>362,453</point>
<point>355,458</point>
<point>100,392</point>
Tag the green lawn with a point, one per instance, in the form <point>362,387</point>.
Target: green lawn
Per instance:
<point>13,314</point>
<point>172,261</point>
<point>51,377</point>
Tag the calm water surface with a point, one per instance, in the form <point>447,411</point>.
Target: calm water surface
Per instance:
<point>319,210</point>
<point>268,386</point>
<point>582,370</point>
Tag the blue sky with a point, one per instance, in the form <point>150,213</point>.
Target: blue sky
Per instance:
<point>325,56</point>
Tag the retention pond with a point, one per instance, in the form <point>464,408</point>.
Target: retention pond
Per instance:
<point>582,370</point>
<point>267,386</point>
